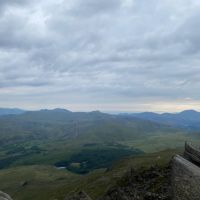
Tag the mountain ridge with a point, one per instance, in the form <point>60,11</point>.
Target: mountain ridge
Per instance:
<point>187,119</point>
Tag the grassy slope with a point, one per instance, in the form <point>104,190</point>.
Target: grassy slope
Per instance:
<point>160,142</point>
<point>45,182</point>
<point>54,144</point>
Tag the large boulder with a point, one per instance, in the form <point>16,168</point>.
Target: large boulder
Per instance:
<point>4,196</point>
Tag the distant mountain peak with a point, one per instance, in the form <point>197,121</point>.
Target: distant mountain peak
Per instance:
<point>186,118</point>
<point>189,111</point>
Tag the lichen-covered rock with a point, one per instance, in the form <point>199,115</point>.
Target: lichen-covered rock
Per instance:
<point>4,196</point>
<point>185,179</point>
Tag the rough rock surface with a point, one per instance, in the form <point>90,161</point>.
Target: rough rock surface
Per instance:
<point>146,184</point>
<point>79,196</point>
<point>185,179</point>
<point>4,196</point>
<point>151,184</point>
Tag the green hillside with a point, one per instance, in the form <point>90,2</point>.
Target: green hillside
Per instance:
<point>34,145</point>
<point>53,136</point>
<point>46,182</point>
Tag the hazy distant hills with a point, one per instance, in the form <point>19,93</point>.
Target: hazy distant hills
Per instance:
<point>63,124</point>
<point>62,115</point>
<point>11,111</point>
<point>188,119</point>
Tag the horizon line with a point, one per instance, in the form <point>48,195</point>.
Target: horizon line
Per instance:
<point>100,110</point>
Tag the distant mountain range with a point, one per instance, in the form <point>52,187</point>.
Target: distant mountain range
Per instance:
<point>61,123</point>
<point>188,119</point>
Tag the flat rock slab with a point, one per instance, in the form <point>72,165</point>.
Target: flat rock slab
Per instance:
<point>185,179</point>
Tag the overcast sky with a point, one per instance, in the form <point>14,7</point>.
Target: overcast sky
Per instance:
<point>109,55</point>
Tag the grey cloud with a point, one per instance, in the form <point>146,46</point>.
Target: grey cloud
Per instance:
<point>85,51</point>
<point>189,34</point>
<point>4,5</point>
<point>89,7</point>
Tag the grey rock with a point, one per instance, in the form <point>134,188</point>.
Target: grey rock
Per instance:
<point>4,196</point>
<point>185,179</point>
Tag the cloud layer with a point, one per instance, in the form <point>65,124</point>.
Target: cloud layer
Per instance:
<point>129,55</point>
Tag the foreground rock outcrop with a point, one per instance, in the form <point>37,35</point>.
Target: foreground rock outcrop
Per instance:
<point>185,179</point>
<point>4,196</point>
<point>146,184</point>
<point>150,184</point>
